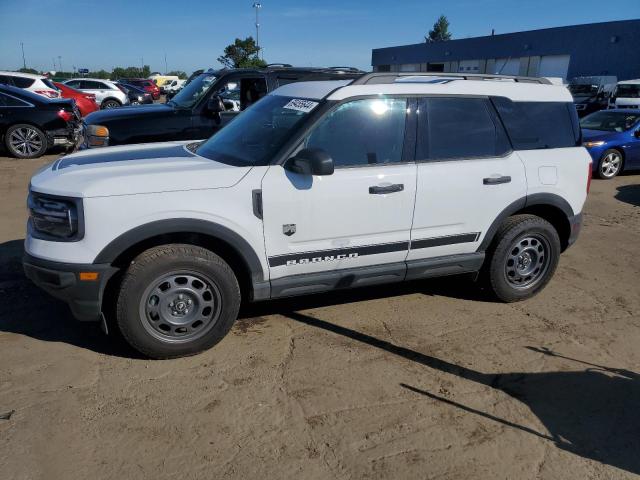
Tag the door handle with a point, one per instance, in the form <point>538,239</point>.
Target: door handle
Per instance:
<point>379,190</point>
<point>496,180</point>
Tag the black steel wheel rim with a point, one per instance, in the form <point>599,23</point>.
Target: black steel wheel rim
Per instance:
<point>180,306</point>
<point>527,261</point>
<point>25,141</point>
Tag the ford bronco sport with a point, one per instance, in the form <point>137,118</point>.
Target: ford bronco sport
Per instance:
<point>318,186</point>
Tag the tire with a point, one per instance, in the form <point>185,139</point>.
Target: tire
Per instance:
<point>110,103</point>
<point>25,141</point>
<point>522,259</point>
<point>177,300</point>
<point>610,164</point>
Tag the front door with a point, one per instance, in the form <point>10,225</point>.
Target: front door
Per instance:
<point>467,174</point>
<point>360,216</point>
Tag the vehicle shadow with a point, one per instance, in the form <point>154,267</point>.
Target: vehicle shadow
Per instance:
<point>629,194</point>
<point>592,412</point>
<point>27,310</point>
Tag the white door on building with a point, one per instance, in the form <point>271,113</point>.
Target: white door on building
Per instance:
<point>554,66</point>
<point>507,66</point>
<point>469,66</point>
<point>410,67</point>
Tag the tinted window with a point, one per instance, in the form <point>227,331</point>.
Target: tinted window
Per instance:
<point>458,128</point>
<point>363,132</point>
<point>534,125</point>
<point>91,85</point>
<point>609,121</point>
<point>73,83</point>
<point>23,82</point>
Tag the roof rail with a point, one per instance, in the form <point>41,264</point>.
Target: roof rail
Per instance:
<point>345,69</point>
<point>392,77</point>
<point>286,65</point>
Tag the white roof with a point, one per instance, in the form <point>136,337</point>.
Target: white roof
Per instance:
<point>92,79</point>
<point>632,82</point>
<point>316,90</point>
<point>24,75</point>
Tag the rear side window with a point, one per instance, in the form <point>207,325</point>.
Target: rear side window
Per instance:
<point>92,85</point>
<point>459,128</point>
<point>363,132</point>
<point>5,80</point>
<point>23,82</point>
<point>8,101</point>
<point>536,125</point>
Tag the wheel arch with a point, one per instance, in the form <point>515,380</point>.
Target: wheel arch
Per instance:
<point>221,240</point>
<point>553,208</point>
<point>106,99</point>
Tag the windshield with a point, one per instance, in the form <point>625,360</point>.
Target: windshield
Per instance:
<point>194,91</point>
<point>628,91</point>
<point>583,89</point>
<point>257,133</point>
<point>610,121</point>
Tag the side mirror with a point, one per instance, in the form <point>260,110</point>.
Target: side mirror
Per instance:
<point>215,105</point>
<point>310,161</point>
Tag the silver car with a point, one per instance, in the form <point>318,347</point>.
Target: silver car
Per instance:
<point>108,94</point>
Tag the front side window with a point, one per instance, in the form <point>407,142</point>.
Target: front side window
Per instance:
<point>194,91</point>
<point>458,128</point>
<point>254,137</point>
<point>628,90</point>
<point>73,83</point>
<point>362,132</point>
<point>607,121</point>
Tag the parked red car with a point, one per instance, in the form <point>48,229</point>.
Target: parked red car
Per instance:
<point>86,102</point>
<point>145,84</point>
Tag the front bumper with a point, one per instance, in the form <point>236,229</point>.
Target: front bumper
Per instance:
<point>63,281</point>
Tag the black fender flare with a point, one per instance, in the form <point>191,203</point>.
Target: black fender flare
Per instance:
<point>120,244</point>
<point>528,201</point>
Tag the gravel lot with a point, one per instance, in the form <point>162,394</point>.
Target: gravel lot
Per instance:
<point>424,380</point>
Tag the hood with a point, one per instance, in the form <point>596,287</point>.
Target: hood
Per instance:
<point>597,135</point>
<point>104,117</point>
<point>134,169</point>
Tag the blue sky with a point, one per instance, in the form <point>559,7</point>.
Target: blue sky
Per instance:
<point>193,33</point>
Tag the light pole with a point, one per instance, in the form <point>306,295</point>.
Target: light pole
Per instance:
<point>257,6</point>
<point>165,63</point>
<point>60,62</point>
<point>24,62</point>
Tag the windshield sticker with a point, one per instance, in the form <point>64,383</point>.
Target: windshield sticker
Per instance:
<point>301,105</point>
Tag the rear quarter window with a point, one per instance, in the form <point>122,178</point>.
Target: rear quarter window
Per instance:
<point>539,125</point>
<point>23,82</point>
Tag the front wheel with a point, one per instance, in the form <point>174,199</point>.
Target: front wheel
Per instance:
<point>177,300</point>
<point>610,164</point>
<point>523,257</point>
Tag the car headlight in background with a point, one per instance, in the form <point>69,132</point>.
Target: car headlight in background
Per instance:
<point>140,98</point>
<point>55,218</point>
<point>593,144</point>
<point>97,136</point>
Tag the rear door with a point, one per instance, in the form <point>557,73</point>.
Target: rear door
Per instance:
<point>467,174</point>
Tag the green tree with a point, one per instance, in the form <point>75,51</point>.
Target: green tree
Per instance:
<point>28,70</point>
<point>179,73</point>
<point>440,31</point>
<point>130,72</point>
<point>242,54</point>
<point>98,74</point>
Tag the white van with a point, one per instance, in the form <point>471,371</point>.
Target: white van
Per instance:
<point>626,94</point>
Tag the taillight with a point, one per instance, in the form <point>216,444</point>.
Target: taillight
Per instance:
<point>66,116</point>
<point>589,176</point>
<point>48,93</point>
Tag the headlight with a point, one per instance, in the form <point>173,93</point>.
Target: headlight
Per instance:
<point>97,136</point>
<point>55,218</point>
<point>593,144</point>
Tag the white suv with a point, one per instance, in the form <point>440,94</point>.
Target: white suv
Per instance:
<point>318,186</point>
<point>108,94</point>
<point>34,83</point>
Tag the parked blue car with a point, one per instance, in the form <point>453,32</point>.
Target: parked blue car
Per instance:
<point>613,140</point>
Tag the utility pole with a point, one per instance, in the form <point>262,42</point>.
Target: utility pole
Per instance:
<point>24,62</point>
<point>257,6</point>
<point>54,63</point>
<point>141,66</point>
<point>165,63</point>
<point>60,62</point>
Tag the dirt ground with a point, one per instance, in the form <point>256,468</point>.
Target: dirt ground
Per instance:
<point>424,380</point>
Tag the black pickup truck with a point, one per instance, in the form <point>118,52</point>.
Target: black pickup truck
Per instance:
<point>195,112</point>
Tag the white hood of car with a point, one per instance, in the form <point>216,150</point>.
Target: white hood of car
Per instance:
<point>134,169</point>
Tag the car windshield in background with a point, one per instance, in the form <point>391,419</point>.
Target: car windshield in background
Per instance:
<point>628,91</point>
<point>582,89</point>
<point>610,121</point>
<point>193,92</point>
<point>258,133</point>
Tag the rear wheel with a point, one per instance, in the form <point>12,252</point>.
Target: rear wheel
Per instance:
<point>110,104</point>
<point>25,141</point>
<point>523,257</point>
<point>177,300</point>
<point>610,164</point>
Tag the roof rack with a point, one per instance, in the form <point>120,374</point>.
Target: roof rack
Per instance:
<point>285,65</point>
<point>391,77</point>
<point>345,69</point>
